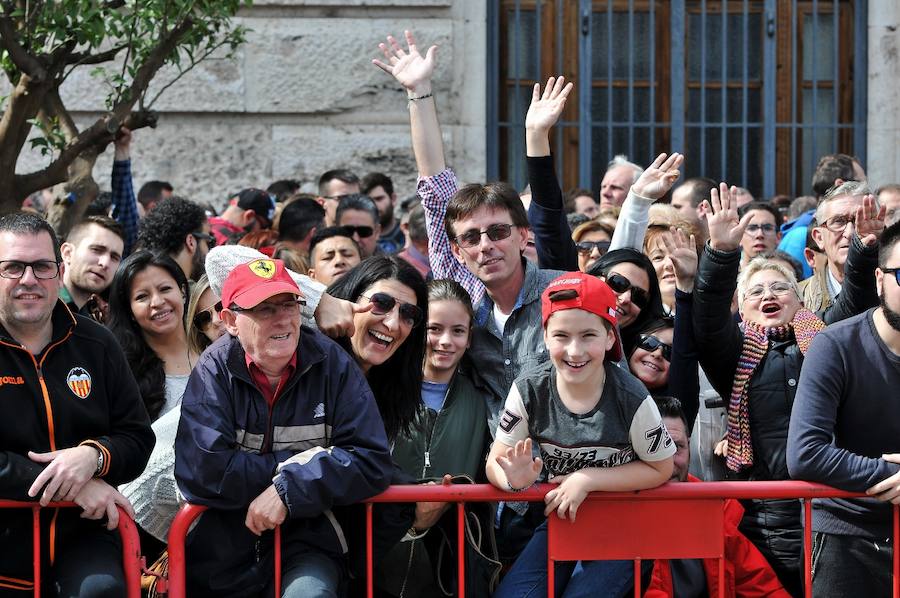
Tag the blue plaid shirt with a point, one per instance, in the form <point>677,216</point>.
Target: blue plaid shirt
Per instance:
<point>124,203</point>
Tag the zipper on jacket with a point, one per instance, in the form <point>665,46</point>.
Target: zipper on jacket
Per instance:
<point>428,438</point>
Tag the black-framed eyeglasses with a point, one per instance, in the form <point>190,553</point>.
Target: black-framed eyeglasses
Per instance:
<point>267,311</point>
<point>364,232</point>
<point>837,224</point>
<point>210,240</point>
<point>767,229</point>
<point>894,271</point>
<point>619,284</point>
<point>202,319</point>
<point>42,269</point>
<point>587,247</point>
<point>650,343</point>
<point>495,232</point>
<point>383,304</point>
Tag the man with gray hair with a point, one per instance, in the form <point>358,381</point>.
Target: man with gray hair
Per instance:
<point>848,258</point>
<point>359,213</point>
<point>620,176</point>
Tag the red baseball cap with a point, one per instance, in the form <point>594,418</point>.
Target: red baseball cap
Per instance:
<point>248,285</point>
<point>577,290</point>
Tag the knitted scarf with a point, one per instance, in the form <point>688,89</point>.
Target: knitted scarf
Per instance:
<point>805,326</point>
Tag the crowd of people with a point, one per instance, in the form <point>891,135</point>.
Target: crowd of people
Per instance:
<point>285,358</point>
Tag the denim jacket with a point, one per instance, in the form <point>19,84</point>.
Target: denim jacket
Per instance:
<point>499,356</point>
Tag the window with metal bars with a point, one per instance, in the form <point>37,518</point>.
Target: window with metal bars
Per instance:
<point>751,91</point>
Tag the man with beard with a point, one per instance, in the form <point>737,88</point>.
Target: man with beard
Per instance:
<point>91,254</point>
<point>380,189</point>
<point>178,228</point>
<point>842,434</point>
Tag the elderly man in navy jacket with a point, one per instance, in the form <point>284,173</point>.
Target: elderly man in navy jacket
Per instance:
<point>277,426</point>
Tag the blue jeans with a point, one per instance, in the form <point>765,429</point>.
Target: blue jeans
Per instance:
<point>310,575</point>
<point>528,576</point>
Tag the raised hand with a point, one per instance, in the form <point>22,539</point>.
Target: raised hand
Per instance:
<point>659,177</point>
<point>725,229</point>
<point>408,67</point>
<point>520,469</point>
<point>546,107</point>
<point>683,255</point>
<point>869,221</point>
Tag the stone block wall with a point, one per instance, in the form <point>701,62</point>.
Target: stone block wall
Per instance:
<point>301,97</point>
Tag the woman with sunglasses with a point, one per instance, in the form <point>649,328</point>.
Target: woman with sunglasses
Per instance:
<point>146,313</point>
<point>204,324</point>
<point>632,278</point>
<point>592,242</point>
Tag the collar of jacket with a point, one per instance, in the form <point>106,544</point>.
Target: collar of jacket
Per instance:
<point>309,352</point>
<point>529,292</point>
<point>61,319</point>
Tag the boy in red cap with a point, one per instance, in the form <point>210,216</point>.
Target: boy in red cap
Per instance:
<point>596,427</point>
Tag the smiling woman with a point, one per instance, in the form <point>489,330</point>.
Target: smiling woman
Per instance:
<point>147,305</point>
<point>389,341</point>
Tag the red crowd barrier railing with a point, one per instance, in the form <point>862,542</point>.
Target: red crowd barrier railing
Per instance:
<point>131,544</point>
<point>676,520</point>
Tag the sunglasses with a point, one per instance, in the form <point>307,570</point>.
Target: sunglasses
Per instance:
<point>383,304</point>
<point>894,271</point>
<point>586,247</point>
<point>202,319</point>
<point>210,240</point>
<point>619,284</point>
<point>650,343</point>
<point>364,232</point>
<point>495,232</point>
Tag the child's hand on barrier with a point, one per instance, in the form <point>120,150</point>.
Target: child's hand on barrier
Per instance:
<point>520,468</point>
<point>567,496</point>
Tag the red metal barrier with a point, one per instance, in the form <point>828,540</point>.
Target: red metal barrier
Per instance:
<point>610,525</point>
<point>131,545</point>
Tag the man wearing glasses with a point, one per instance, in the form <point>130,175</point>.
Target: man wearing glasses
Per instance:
<point>842,433</point>
<point>762,233</point>
<point>850,261</point>
<point>334,185</point>
<point>277,426</point>
<point>72,424</point>
<point>358,214</point>
<point>179,228</point>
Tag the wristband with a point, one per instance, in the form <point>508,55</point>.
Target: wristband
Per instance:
<point>421,97</point>
<point>511,489</point>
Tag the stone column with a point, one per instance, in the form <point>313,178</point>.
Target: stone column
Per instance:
<point>883,131</point>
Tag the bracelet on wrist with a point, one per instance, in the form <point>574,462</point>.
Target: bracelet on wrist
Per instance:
<point>421,97</point>
<point>511,489</point>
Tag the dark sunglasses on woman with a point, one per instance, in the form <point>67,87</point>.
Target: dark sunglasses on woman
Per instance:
<point>650,343</point>
<point>384,303</point>
<point>202,319</point>
<point>619,284</point>
<point>364,232</point>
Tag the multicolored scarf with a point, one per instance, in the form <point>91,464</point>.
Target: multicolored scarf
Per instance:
<point>805,326</point>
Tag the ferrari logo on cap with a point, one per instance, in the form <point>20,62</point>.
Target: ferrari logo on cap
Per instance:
<point>79,382</point>
<point>263,268</point>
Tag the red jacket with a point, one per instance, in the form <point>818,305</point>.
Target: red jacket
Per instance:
<point>747,573</point>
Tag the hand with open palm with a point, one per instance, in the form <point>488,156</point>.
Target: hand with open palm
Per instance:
<point>412,70</point>
<point>659,177</point>
<point>683,255</point>
<point>725,228</point>
<point>546,107</point>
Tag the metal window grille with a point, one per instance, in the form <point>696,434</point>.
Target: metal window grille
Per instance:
<point>752,91</point>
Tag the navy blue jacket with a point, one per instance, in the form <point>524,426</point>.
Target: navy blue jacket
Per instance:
<point>322,444</point>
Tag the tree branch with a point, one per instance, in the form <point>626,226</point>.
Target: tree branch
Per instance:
<point>96,137</point>
<point>80,58</point>
<point>54,107</point>
<point>25,62</point>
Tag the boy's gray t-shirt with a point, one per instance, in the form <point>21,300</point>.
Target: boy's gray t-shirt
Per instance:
<point>623,427</point>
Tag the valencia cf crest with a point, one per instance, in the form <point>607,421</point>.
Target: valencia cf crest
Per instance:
<point>263,268</point>
<point>79,382</point>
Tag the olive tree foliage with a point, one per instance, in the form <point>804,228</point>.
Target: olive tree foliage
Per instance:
<point>124,44</point>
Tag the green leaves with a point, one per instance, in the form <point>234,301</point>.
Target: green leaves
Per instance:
<point>51,139</point>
